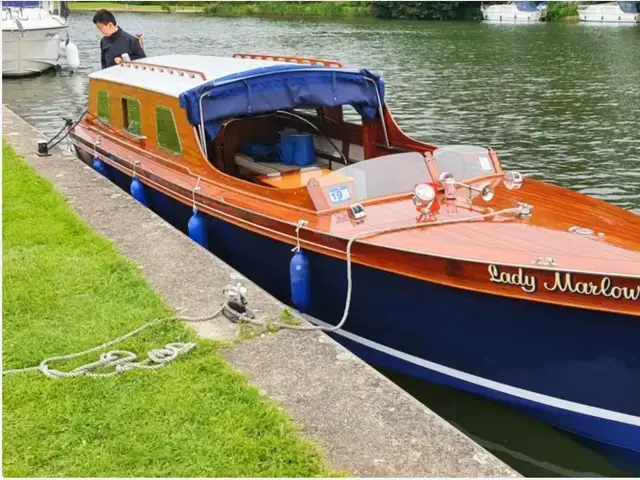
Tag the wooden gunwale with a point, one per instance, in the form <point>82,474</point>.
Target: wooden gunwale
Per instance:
<point>414,264</point>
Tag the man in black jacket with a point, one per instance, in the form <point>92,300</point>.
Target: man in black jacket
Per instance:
<point>115,41</point>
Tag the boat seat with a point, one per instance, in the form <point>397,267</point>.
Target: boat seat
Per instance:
<point>323,150</point>
<point>248,164</point>
<point>261,168</point>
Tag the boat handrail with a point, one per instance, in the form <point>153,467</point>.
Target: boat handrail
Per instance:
<point>284,58</point>
<point>20,26</point>
<point>163,68</point>
<point>57,19</point>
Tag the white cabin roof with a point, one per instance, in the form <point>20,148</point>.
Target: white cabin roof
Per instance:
<point>30,19</point>
<point>140,73</point>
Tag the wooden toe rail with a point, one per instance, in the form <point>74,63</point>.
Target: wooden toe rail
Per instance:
<point>282,58</point>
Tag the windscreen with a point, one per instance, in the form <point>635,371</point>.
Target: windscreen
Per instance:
<point>388,175</point>
<point>464,161</point>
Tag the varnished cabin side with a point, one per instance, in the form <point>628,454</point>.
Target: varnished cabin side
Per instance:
<point>218,168</point>
<point>190,155</point>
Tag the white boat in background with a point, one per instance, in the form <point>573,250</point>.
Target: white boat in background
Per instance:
<point>610,12</point>
<point>514,12</point>
<point>34,38</point>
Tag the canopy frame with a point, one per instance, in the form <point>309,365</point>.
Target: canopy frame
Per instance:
<point>205,94</point>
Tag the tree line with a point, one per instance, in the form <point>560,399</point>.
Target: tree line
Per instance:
<point>407,10</point>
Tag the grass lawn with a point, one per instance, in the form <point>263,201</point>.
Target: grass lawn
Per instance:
<point>66,289</point>
<point>124,7</point>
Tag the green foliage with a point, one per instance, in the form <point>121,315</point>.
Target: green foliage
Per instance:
<point>288,318</point>
<point>131,113</point>
<point>137,6</point>
<point>104,107</point>
<point>288,9</point>
<point>560,10</point>
<point>426,10</point>
<point>168,138</point>
<point>65,289</point>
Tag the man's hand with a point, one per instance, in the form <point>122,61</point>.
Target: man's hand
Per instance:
<point>118,60</point>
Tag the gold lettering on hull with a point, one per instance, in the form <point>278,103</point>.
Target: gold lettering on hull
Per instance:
<point>563,282</point>
<point>528,283</point>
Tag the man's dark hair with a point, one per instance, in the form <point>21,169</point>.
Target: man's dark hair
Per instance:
<point>104,16</point>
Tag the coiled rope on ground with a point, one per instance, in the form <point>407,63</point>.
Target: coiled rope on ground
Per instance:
<point>123,360</point>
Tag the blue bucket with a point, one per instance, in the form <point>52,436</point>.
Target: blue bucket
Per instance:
<point>297,149</point>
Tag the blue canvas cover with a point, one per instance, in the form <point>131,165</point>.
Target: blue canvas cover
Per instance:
<point>526,6</point>
<point>282,87</point>
<point>629,7</point>
<point>20,4</point>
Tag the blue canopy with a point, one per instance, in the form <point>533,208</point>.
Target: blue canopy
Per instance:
<point>526,6</point>
<point>20,4</point>
<point>629,7</point>
<point>282,87</point>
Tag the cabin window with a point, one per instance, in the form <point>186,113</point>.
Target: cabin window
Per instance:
<point>131,116</point>
<point>309,111</point>
<point>104,111</point>
<point>168,138</point>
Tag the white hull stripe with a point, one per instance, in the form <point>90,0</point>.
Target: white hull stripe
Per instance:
<point>483,382</point>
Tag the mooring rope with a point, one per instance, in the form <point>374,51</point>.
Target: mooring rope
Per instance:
<point>514,210</point>
<point>69,124</point>
<point>124,361</point>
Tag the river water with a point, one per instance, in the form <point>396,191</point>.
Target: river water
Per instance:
<point>560,102</point>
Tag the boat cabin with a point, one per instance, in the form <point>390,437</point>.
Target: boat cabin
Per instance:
<point>610,12</point>
<point>307,132</point>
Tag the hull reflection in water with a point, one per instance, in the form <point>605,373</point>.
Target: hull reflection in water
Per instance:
<point>533,448</point>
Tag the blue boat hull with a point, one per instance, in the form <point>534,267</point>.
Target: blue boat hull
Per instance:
<point>578,370</point>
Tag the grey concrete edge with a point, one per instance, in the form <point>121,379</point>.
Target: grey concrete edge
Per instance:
<point>363,422</point>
